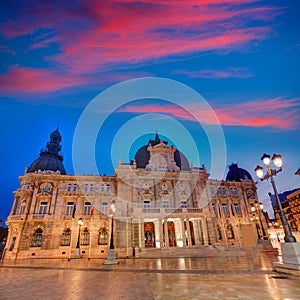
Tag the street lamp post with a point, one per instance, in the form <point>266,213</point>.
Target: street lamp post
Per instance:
<point>77,251</point>
<point>289,238</point>
<point>257,210</point>
<point>111,258</point>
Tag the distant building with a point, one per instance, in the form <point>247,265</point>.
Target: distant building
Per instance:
<point>294,202</point>
<point>290,205</point>
<point>298,172</point>
<point>162,202</point>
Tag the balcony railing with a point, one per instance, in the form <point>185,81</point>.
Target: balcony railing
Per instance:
<point>38,216</point>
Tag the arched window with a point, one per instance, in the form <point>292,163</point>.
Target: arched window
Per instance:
<point>103,235</point>
<point>22,207</point>
<point>85,236</point>
<point>87,208</point>
<point>66,237</point>
<point>37,238</point>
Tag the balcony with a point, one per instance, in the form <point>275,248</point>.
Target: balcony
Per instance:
<point>38,216</point>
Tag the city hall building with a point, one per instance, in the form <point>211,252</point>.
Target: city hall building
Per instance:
<point>162,202</point>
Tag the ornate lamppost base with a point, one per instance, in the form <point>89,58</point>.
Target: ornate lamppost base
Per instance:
<point>290,258</point>
<point>111,258</point>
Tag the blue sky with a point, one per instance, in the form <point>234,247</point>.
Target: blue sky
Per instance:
<point>241,56</point>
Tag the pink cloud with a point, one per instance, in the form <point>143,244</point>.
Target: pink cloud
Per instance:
<point>278,112</point>
<point>25,80</point>
<point>107,33</point>
<point>216,74</point>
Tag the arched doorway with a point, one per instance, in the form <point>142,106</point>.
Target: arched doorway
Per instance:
<point>171,234</point>
<point>149,235</point>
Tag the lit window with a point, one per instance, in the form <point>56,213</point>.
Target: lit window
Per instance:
<point>37,238</point>
<point>103,236</point>
<point>69,208</point>
<point>66,237</point>
<point>85,237</point>
<point>43,208</point>
<point>87,208</point>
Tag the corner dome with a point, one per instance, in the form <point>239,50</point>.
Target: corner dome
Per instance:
<point>50,159</point>
<point>237,174</point>
<point>142,156</point>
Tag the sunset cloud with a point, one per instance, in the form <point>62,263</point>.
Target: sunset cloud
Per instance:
<point>217,74</point>
<point>284,113</point>
<point>99,36</point>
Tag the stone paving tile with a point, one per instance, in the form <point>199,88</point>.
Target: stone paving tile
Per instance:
<point>246,277</point>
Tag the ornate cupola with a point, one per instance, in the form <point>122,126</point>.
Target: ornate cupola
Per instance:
<point>50,158</point>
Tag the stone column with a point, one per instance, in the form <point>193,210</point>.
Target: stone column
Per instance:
<point>53,200</point>
<point>166,233</point>
<point>205,233</point>
<point>188,233</point>
<point>183,232</point>
<point>33,201</point>
<point>161,241</point>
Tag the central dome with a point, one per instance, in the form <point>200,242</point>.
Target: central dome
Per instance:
<point>142,156</point>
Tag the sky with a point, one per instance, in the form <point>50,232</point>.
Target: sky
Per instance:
<point>242,57</point>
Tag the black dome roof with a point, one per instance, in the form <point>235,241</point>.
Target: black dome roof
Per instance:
<point>50,159</point>
<point>237,174</point>
<point>142,156</point>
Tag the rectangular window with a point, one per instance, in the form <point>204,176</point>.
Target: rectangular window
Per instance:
<point>225,208</point>
<point>87,208</point>
<point>183,204</point>
<point>146,203</point>
<point>91,187</point>
<point>43,208</point>
<point>165,204</point>
<point>108,188</point>
<point>214,208</point>
<point>85,187</point>
<point>74,187</point>
<point>237,208</point>
<point>69,188</point>
<point>104,208</point>
<point>69,208</point>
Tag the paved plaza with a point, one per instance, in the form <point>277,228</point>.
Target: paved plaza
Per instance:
<point>222,275</point>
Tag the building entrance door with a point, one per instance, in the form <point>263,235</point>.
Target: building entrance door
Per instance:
<point>149,233</point>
